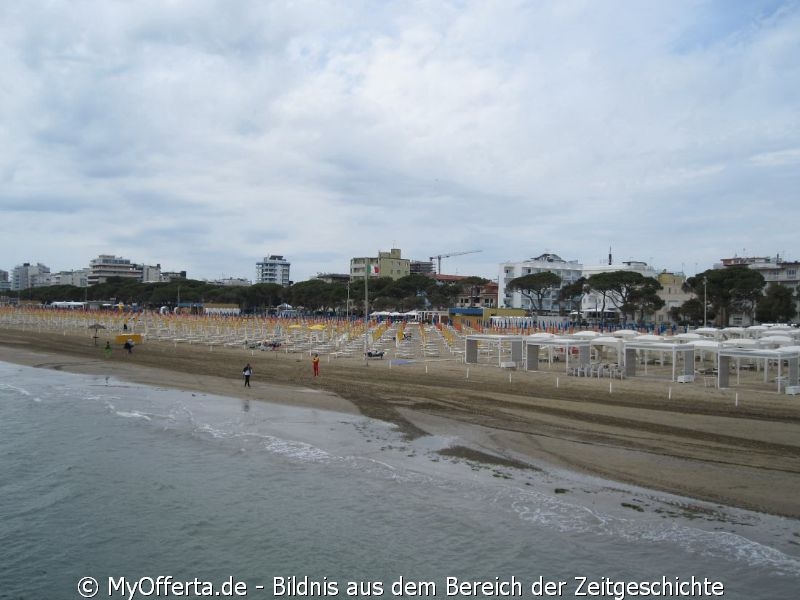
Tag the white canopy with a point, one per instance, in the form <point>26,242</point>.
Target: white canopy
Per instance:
<point>702,330</point>
<point>625,333</point>
<point>586,334</point>
<point>688,336</point>
<point>747,343</point>
<point>541,335</point>
<point>649,337</point>
<point>706,344</point>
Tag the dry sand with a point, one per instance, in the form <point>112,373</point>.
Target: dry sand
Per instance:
<point>698,443</point>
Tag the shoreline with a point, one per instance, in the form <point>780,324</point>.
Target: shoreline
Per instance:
<point>696,444</point>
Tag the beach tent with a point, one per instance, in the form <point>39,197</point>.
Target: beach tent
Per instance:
<point>611,342</point>
<point>575,350</point>
<point>676,350</point>
<point>501,341</point>
<point>788,354</point>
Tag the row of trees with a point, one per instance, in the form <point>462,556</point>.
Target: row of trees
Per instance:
<point>315,295</point>
<point>631,293</point>
<point>737,289</point>
<point>726,291</point>
<point>719,293</point>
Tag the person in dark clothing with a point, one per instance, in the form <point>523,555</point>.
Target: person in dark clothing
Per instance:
<point>247,371</point>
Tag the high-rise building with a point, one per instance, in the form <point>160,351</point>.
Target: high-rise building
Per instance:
<point>5,284</point>
<point>273,269</point>
<point>27,276</point>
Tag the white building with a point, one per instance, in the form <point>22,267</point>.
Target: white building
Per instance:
<point>27,276</point>
<point>78,278</point>
<point>569,271</point>
<point>273,269</point>
<point>151,274</point>
<point>108,265</point>
<point>232,282</point>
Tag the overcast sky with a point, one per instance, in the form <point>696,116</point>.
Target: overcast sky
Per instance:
<point>206,135</point>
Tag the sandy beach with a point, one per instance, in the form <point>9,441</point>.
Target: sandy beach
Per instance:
<point>698,442</point>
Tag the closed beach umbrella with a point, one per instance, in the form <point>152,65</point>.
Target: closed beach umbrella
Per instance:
<point>96,327</point>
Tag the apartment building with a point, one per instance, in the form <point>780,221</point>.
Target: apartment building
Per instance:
<point>273,269</point>
<point>108,265</point>
<point>569,271</point>
<point>386,264</point>
<point>79,278</point>
<point>27,276</point>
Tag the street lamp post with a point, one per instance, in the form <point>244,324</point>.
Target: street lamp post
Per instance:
<point>705,301</point>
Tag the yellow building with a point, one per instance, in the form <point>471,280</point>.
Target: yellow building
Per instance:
<point>386,264</point>
<point>671,293</point>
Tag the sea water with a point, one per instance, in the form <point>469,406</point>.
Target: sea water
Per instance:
<point>140,487</point>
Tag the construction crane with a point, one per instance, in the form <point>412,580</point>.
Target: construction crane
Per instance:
<point>439,258</point>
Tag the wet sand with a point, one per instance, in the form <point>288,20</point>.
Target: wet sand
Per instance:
<point>697,443</point>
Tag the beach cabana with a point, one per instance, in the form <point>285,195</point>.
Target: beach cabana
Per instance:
<point>789,354</point>
<point>515,341</point>
<point>576,350</point>
<point>610,342</point>
<point>684,352</point>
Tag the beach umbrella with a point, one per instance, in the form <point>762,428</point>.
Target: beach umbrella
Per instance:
<point>96,327</point>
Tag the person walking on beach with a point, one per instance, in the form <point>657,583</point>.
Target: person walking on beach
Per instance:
<point>315,364</point>
<point>129,346</point>
<point>247,371</point>
<point>107,349</point>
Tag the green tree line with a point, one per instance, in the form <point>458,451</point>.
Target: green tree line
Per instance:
<point>737,289</point>
<point>314,295</point>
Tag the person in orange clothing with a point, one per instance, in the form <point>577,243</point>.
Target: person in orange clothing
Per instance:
<point>315,363</point>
